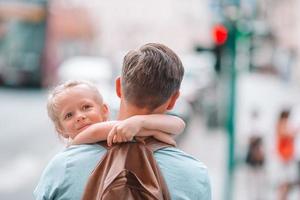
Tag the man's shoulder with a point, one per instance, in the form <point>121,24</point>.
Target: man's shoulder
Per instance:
<point>181,162</point>
<point>76,152</point>
<point>75,158</point>
<point>173,154</point>
<point>68,168</point>
<point>186,176</point>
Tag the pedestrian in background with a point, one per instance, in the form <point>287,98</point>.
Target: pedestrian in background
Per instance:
<point>255,160</point>
<point>285,148</point>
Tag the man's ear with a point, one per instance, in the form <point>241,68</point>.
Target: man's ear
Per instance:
<point>173,100</point>
<point>118,87</point>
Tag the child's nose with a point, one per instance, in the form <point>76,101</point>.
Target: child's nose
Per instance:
<point>81,117</point>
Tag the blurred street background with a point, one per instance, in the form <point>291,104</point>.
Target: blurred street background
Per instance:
<point>240,94</point>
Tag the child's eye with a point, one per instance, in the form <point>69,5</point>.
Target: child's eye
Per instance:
<point>68,115</point>
<point>85,107</point>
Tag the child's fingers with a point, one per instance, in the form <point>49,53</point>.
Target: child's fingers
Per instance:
<point>115,139</point>
<point>129,137</point>
<point>125,139</point>
<point>119,139</point>
<point>111,136</point>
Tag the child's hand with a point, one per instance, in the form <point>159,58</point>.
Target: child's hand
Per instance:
<point>124,131</point>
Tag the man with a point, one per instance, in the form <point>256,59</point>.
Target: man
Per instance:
<point>149,84</point>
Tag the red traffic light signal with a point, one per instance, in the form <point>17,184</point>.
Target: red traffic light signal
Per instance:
<point>220,34</point>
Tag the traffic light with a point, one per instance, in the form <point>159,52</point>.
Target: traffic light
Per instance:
<point>219,36</point>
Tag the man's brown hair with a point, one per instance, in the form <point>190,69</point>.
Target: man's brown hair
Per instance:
<point>151,75</point>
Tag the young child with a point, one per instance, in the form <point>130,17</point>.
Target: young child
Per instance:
<point>80,115</point>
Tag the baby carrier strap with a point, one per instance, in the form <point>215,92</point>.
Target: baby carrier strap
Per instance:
<point>128,171</point>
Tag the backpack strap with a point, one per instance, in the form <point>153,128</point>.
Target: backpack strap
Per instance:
<point>154,145</point>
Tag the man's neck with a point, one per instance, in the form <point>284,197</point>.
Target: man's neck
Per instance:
<point>127,110</point>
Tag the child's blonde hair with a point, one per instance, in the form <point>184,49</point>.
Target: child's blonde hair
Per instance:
<point>52,103</point>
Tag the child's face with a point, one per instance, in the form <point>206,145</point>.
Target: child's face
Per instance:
<point>78,108</point>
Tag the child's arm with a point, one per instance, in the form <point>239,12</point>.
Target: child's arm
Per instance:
<point>162,122</point>
<point>94,133</point>
<point>123,131</point>
<point>154,124</point>
<point>161,136</point>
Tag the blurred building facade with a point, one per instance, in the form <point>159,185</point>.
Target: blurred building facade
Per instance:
<point>282,19</point>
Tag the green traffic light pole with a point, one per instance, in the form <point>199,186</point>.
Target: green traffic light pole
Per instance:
<point>230,123</point>
<point>230,65</point>
<point>227,69</point>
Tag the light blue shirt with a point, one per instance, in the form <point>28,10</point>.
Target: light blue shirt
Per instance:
<point>67,173</point>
